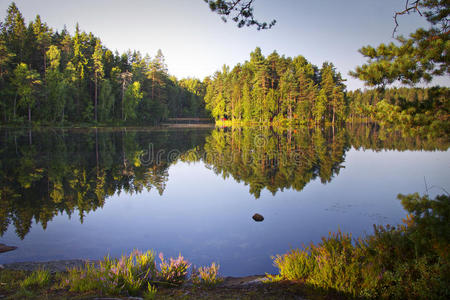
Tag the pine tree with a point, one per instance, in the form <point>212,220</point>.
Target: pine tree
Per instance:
<point>98,72</point>
<point>26,81</point>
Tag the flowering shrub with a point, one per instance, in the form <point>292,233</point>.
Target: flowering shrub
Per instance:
<point>129,273</point>
<point>408,262</point>
<point>114,276</point>
<point>206,276</point>
<point>173,271</point>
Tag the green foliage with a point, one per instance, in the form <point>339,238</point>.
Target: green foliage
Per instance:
<point>129,274</point>
<point>420,57</point>
<point>83,279</point>
<point>278,90</point>
<point>419,109</point>
<point>173,271</point>
<point>133,95</point>
<point>294,265</point>
<point>150,294</point>
<point>106,101</point>
<point>206,276</point>
<point>82,81</point>
<point>408,262</point>
<point>37,280</point>
<point>241,12</point>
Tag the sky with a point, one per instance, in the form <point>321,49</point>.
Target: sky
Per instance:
<point>196,42</point>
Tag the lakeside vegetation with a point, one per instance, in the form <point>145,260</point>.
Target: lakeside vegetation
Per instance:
<point>409,261</point>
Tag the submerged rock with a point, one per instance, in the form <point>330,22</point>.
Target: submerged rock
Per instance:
<point>258,218</point>
<point>5,248</point>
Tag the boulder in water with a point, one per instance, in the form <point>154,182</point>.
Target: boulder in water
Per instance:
<point>258,218</point>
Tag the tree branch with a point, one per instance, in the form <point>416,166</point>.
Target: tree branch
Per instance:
<point>409,8</point>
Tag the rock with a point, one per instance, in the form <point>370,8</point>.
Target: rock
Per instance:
<point>5,248</point>
<point>258,218</point>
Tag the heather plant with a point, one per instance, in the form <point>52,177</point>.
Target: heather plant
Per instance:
<point>407,262</point>
<point>206,276</point>
<point>129,274</point>
<point>173,271</point>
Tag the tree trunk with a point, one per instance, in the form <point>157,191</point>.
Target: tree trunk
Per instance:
<point>333,115</point>
<point>123,96</point>
<point>14,108</point>
<point>29,113</point>
<point>95,99</point>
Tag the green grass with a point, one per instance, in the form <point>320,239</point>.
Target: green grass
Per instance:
<point>37,280</point>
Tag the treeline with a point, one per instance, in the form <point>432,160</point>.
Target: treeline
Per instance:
<point>51,77</point>
<point>406,107</point>
<point>292,91</point>
<point>277,89</point>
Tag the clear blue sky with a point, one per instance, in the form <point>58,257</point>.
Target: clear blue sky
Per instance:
<point>196,42</point>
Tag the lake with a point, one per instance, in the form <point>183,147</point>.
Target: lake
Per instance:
<point>85,193</point>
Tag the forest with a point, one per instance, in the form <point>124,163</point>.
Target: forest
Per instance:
<point>50,77</point>
<point>291,91</point>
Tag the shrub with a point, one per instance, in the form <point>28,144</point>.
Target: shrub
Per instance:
<point>206,276</point>
<point>173,271</point>
<point>114,276</point>
<point>294,265</point>
<point>410,261</point>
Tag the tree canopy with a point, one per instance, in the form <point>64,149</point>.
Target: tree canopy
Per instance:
<point>240,11</point>
<point>420,57</point>
<point>49,76</point>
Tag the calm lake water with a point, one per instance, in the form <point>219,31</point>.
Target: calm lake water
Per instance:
<point>77,193</point>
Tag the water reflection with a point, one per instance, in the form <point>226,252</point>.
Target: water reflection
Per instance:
<point>49,172</point>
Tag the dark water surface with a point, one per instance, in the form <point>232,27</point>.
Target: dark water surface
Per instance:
<point>77,193</point>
